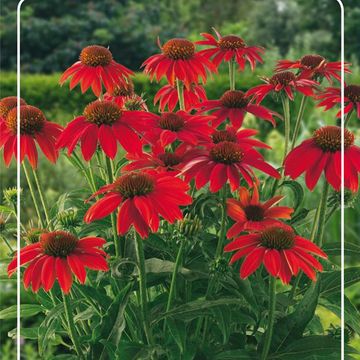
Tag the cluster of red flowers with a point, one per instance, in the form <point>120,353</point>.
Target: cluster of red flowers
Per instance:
<point>184,145</point>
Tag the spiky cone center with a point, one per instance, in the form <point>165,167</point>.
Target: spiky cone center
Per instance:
<point>33,235</point>
<point>171,121</point>
<point>58,243</point>
<point>328,138</point>
<point>231,42</point>
<point>9,103</point>
<point>277,238</point>
<point>234,99</point>
<point>124,89</point>
<point>32,120</point>
<point>283,78</point>
<point>223,135</point>
<point>134,184</point>
<point>170,159</point>
<point>179,49</point>
<point>352,92</point>
<point>254,212</point>
<point>226,153</point>
<point>102,112</point>
<point>95,55</point>
<point>135,103</point>
<point>311,61</point>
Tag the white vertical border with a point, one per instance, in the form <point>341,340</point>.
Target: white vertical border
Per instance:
<point>342,215</point>
<point>18,164</point>
<point>18,277</point>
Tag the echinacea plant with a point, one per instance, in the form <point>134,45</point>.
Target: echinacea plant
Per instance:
<point>137,264</point>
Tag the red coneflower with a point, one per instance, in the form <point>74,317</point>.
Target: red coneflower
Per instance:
<point>96,68</point>
<point>226,48</point>
<point>141,197</point>
<point>332,96</point>
<point>7,104</point>
<point>250,214</point>
<point>179,126</point>
<point>178,60</point>
<point>104,123</point>
<point>283,82</point>
<point>314,66</point>
<point>323,153</point>
<point>225,161</point>
<point>34,128</point>
<point>168,97</point>
<point>282,252</point>
<point>239,136</point>
<point>158,159</point>
<point>120,93</point>
<point>234,104</point>
<point>58,255</point>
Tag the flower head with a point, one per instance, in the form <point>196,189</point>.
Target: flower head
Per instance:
<point>322,153</point>
<point>181,126</point>
<point>222,162</point>
<point>7,104</point>
<point>141,198</point>
<point>284,82</point>
<point>234,104</point>
<point>314,66</point>
<point>230,47</point>
<point>59,255</point>
<point>34,128</point>
<point>168,97</point>
<point>250,214</point>
<point>158,159</point>
<point>178,61</point>
<point>104,123</point>
<point>243,137</point>
<point>96,68</point>
<point>280,249</point>
<point>331,97</point>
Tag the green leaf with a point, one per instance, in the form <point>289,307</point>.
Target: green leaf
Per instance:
<point>239,354</point>
<point>202,307</point>
<point>46,334</point>
<point>352,315</point>
<point>178,333</point>
<point>26,333</point>
<point>334,249</point>
<point>297,191</point>
<point>165,268</point>
<point>133,350</point>
<point>331,280</point>
<point>6,209</point>
<point>222,316</point>
<point>26,310</point>
<point>313,348</point>
<point>292,326</point>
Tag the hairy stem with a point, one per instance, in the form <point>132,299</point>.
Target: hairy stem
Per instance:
<point>180,91</point>
<point>142,286</point>
<point>71,326</point>
<point>232,73</point>
<point>286,109</point>
<point>32,192</point>
<point>42,198</point>
<point>271,318</point>
<point>322,214</point>
<point>298,121</point>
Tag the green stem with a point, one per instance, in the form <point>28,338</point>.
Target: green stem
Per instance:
<point>92,179</point>
<point>71,326</point>
<point>118,250</point>
<point>271,318</point>
<point>347,119</point>
<point>286,109</point>
<point>180,91</point>
<point>32,192</point>
<point>298,121</point>
<point>322,214</point>
<point>222,232</point>
<point>7,244</point>
<point>42,198</point>
<point>174,276</point>
<point>232,72</point>
<point>142,286</point>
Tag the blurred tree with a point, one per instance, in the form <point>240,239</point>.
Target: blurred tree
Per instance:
<point>54,31</point>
